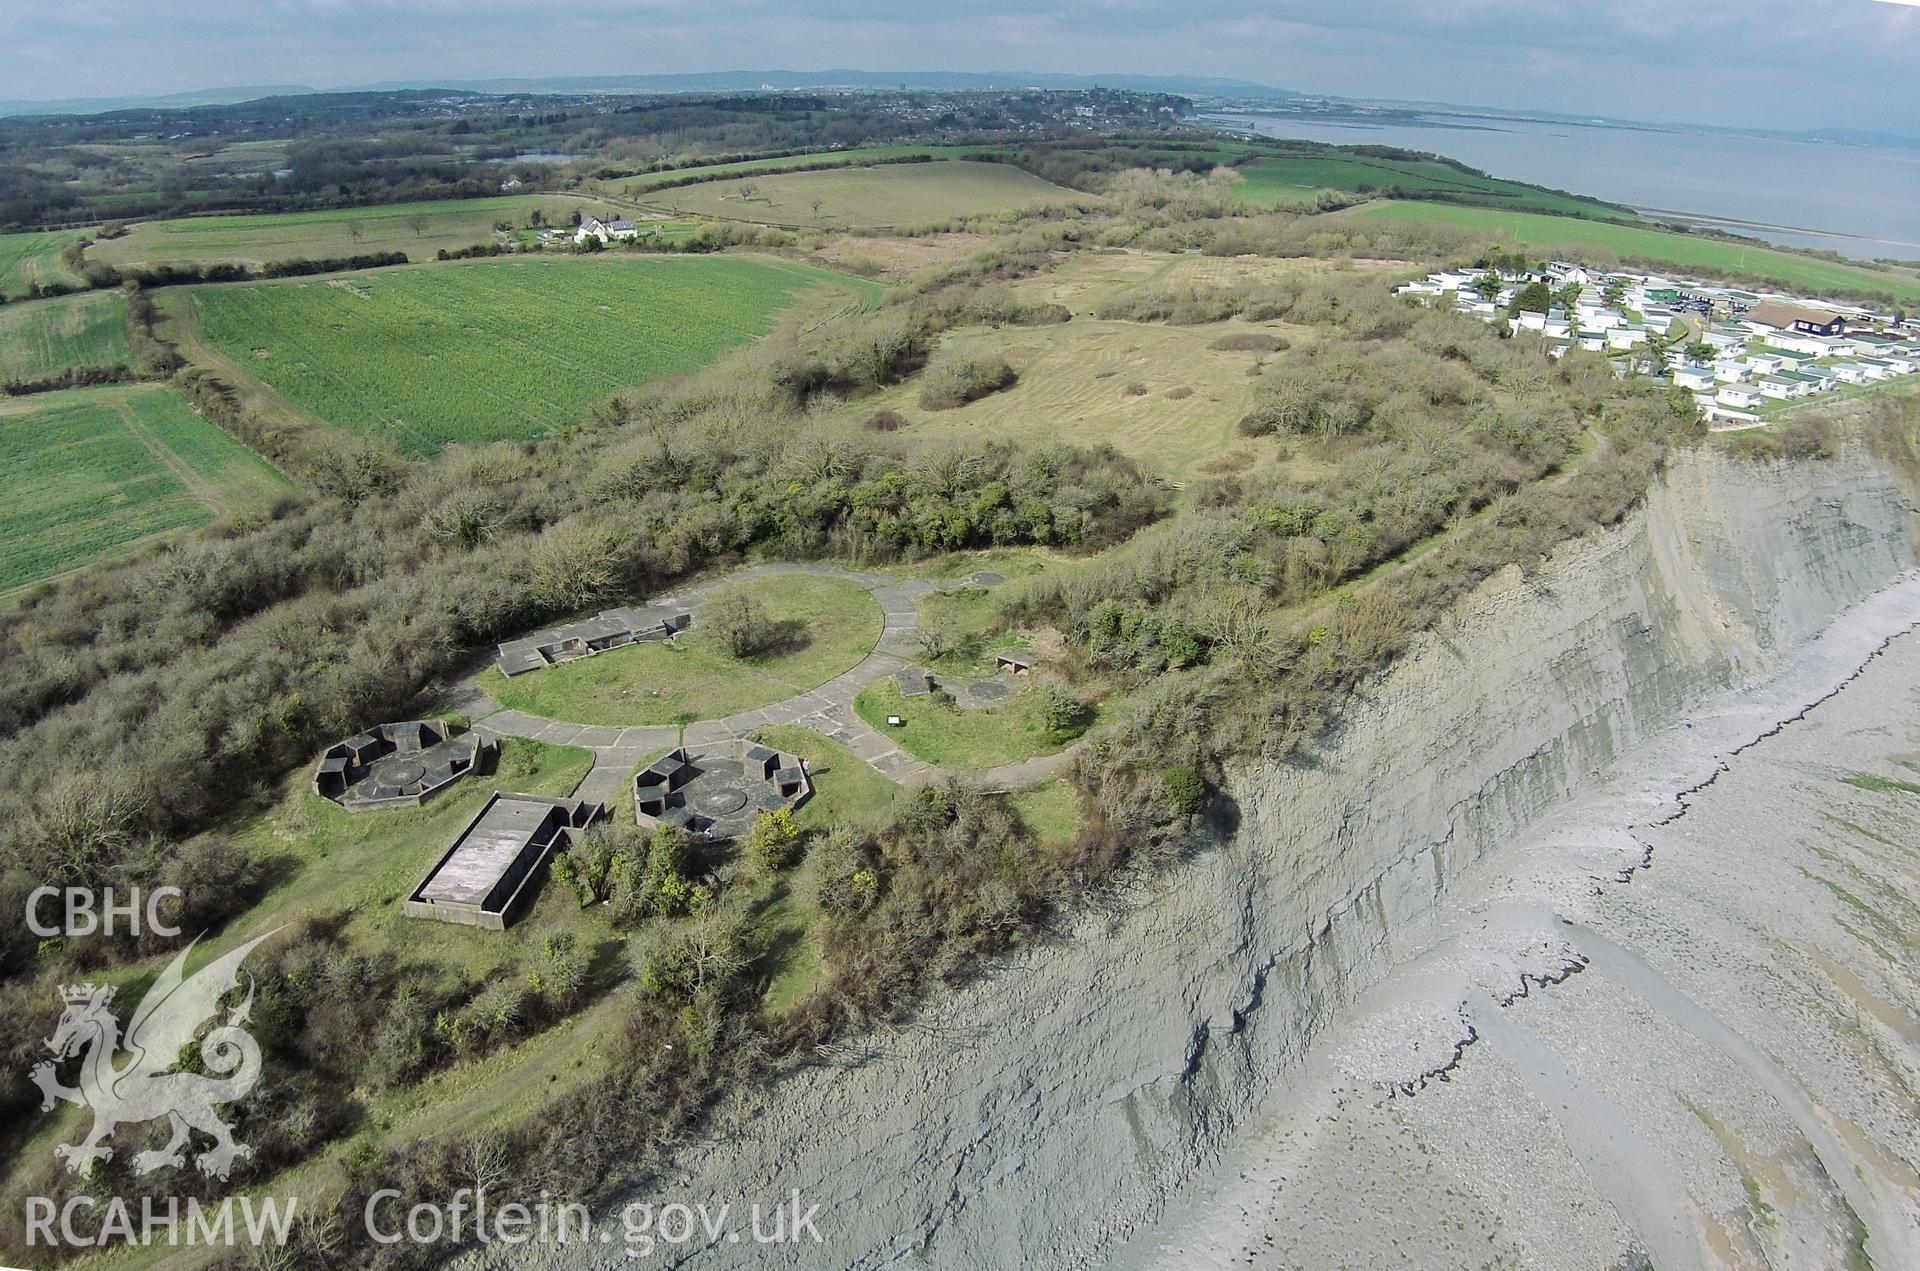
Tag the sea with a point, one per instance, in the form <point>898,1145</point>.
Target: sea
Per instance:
<point>1858,200</point>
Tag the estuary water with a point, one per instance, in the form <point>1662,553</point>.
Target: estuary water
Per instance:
<point>1858,200</point>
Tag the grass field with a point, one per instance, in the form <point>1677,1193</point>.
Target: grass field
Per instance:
<point>1077,386</point>
<point>894,196</point>
<point>493,349</point>
<point>831,624</point>
<point>948,737</point>
<point>850,157</point>
<point>1277,178</point>
<point>1679,251</point>
<point>45,337</point>
<point>1051,811</point>
<point>255,240</point>
<point>31,258</point>
<point>90,472</point>
<point>1158,393</point>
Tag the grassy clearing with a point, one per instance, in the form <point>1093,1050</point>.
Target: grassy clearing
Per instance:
<point>895,196</point>
<point>46,337</point>
<point>34,257</point>
<point>1679,251</point>
<point>1051,811</point>
<point>93,471</point>
<point>1288,178</point>
<point>942,734</point>
<point>965,622</point>
<point>493,349</point>
<point>1075,387</point>
<point>829,625</point>
<point>255,240</point>
<point>846,791</point>
<point>367,863</point>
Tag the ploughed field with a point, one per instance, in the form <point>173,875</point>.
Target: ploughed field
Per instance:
<point>46,337</point>
<point>89,472</point>
<point>495,349</point>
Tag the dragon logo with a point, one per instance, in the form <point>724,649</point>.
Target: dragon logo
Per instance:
<point>146,1088</point>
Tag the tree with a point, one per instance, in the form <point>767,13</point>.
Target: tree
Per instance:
<point>1186,788</point>
<point>355,232</point>
<point>817,204</point>
<point>1615,293</point>
<point>1659,350</point>
<point>737,621</point>
<point>1062,712</point>
<point>1534,297</point>
<point>1487,285</point>
<point>1700,351</point>
<point>773,841</point>
<point>418,223</point>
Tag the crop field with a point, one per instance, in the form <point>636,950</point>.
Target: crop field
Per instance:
<point>26,259</point>
<point>1276,178</point>
<point>418,229</point>
<point>1678,251</point>
<point>497,348</point>
<point>894,196</point>
<point>92,471</point>
<point>45,337</point>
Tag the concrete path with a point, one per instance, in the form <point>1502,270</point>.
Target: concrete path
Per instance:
<point>827,709</point>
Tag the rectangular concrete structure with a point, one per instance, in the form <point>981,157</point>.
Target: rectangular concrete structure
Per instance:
<point>495,860</point>
<point>607,630</point>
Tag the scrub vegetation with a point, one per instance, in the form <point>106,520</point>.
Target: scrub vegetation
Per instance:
<point>1226,474</point>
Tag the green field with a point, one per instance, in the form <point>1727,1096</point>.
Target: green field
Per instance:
<point>1277,178</point>
<point>1679,251</point>
<point>937,732</point>
<point>255,240</point>
<point>44,337</point>
<point>829,626</point>
<point>893,196</point>
<point>89,472</point>
<point>31,258</point>
<point>498,348</point>
<point>788,163</point>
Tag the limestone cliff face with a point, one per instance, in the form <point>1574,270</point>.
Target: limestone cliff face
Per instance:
<point>1046,1112</point>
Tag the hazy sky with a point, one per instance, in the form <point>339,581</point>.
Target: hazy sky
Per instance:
<point>1769,62</point>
